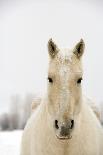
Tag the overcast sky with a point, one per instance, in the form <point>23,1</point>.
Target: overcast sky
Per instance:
<point>26,26</point>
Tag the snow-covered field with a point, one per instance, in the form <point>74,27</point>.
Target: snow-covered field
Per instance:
<point>10,143</point>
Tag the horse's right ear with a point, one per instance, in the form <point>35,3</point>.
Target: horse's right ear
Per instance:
<point>52,48</point>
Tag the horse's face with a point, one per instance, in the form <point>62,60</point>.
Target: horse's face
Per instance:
<point>64,87</point>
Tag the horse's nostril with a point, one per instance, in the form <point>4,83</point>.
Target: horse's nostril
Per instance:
<point>72,124</point>
<point>56,124</point>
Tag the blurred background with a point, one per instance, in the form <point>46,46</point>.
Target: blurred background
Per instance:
<point>25,28</point>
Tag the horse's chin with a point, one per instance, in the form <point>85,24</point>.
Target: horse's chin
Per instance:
<point>64,137</point>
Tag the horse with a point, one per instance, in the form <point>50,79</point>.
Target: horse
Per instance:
<point>63,123</point>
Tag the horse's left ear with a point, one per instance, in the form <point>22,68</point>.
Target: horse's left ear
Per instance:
<point>79,49</point>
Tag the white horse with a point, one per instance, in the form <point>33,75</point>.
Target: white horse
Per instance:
<point>63,124</point>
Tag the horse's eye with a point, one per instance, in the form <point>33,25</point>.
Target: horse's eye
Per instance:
<point>79,80</point>
<point>50,80</point>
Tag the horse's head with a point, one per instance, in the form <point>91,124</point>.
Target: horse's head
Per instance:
<point>64,87</point>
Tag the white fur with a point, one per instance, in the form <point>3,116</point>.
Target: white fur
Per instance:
<point>66,54</point>
<point>64,98</point>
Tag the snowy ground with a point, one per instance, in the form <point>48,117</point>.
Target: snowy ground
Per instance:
<point>10,143</point>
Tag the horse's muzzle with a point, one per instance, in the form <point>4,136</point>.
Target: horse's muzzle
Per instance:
<point>64,130</point>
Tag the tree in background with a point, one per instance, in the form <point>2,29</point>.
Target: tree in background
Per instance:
<point>19,111</point>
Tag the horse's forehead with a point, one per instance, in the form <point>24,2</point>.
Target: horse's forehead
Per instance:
<point>65,56</point>
<point>65,63</point>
